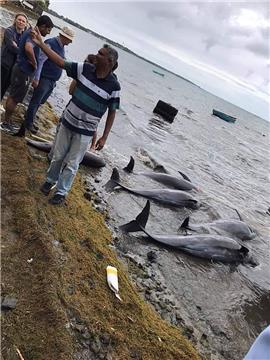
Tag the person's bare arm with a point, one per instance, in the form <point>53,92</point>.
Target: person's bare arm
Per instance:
<point>30,54</point>
<point>72,87</point>
<point>93,142</point>
<point>53,56</point>
<point>109,123</point>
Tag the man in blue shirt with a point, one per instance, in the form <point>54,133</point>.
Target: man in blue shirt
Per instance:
<point>24,69</point>
<point>45,78</point>
<point>97,90</point>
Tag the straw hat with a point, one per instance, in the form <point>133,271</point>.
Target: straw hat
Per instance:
<point>67,32</point>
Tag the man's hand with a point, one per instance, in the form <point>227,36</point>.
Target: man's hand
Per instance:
<point>92,59</point>
<point>33,63</point>
<point>36,36</point>
<point>35,83</point>
<point>100,143</point>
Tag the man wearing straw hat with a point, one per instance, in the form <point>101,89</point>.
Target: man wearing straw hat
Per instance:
<point>45,78</point>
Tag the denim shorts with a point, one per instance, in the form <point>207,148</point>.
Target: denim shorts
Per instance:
<point>19,84</point>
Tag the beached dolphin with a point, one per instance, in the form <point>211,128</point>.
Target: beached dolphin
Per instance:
<point>211,247</point>
<point>171,197</point>
<point>90,159</point>
<point>235,228</point>
<point>166,179</point>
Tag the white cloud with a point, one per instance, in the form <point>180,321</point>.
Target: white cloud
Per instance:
<point>226,37</point>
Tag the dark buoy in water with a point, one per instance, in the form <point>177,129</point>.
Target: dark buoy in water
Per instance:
<point>167,111</point>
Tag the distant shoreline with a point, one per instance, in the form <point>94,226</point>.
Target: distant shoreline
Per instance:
<point>114,43</point>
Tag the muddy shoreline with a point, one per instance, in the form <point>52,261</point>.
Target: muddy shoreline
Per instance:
<point>145,262</point>
<point>63,306</point>
<point>175,285</point>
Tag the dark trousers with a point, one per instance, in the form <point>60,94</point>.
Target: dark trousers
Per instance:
<point>40,96</point>
<point>5,79</point>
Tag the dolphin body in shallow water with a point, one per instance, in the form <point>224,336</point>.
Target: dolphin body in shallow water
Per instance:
<point>166,179</point>
<point>176,198</point>
<point>212,247</point>
<point>90,159</point>
<point>235,228</point>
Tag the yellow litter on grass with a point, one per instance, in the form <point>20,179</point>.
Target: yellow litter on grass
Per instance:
<point>112,280</point>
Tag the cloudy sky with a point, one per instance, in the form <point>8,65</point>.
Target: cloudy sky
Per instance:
<point>228,40</point>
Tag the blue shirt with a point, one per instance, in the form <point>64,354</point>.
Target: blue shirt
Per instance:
<point>22,59</point>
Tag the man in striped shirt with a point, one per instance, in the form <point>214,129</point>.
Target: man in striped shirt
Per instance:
<point>97,90</point>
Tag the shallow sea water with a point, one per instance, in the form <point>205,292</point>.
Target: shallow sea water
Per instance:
<point>230,165</point>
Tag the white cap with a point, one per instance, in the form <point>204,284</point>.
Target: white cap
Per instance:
<point>67,33</point>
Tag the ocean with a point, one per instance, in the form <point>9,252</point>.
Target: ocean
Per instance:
<point>229,163</point>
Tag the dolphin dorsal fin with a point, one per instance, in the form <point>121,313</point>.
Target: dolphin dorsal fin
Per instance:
<point>185,223</point>
<point>130,166</point>
<point>240,217</point>
<point>184,176</point>
<point>115,175</point>
<point>114,181</point>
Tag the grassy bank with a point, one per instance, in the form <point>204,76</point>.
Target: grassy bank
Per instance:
<point>54,263</point>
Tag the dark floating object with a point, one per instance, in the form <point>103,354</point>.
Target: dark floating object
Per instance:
<point>156,72</point>
<point>223,116</point>
<point>167,111</point>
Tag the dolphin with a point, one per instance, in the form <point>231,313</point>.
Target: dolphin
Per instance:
<point>166,179</point>
<point>90,159</point>
<point>212,247</point>
<point>235,228</point>
<point>171,197</point>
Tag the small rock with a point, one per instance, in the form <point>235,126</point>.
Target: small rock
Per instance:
<point>152,256</point>
<point>105,338</point>
<point>97,200</point>
<point>87,195</point>
<point>97,180</point>
<point>80,328</point>
<point>96,345</point>
<point>99,256</point>
<point>70,290</point>
<point>8,303</point>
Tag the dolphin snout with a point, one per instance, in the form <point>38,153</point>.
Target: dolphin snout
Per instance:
<point>194,205</point>
<point>250,260</point>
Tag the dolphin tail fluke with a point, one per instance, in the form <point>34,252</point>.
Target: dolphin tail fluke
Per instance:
<point>184,176</point>
<point>185,224</point>
<point>142,218</point>
<point>114,180</point>
<point>132,226</point>
<point>130,166</point>
<point>140,222</point>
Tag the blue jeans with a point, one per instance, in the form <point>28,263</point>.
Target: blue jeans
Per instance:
<point>40,95</point>
<point>69,150</point>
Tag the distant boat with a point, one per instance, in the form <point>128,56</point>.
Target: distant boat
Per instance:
<point>224,116</point>
<point>156,72</point>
